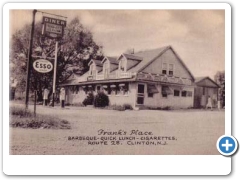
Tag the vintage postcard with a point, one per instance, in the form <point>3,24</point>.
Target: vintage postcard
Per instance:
<point>117,81</point>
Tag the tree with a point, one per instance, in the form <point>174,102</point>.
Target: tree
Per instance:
<point>220,80</point>
<point>75,51</point>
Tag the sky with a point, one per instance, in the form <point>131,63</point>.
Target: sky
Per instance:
<point>198,36</point>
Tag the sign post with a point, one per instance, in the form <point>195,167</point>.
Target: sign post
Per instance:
<point>54,28</point>
<point>29,59</point>
<point>55,73</point>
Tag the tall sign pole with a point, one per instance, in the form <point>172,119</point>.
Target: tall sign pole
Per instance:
<point>55,73</point>
<point>54,28</point>
<point>29,64</point>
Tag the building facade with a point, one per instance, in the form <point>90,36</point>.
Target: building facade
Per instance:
<point>153,78</point>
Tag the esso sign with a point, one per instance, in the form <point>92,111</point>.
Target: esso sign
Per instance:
<point>42,66</point>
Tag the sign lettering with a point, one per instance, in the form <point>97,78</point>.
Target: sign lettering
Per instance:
<point>42,66</point>
<point>52,27</point>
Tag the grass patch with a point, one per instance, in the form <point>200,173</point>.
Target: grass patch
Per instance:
<point>120,107</point>
<point>20,117</point>
<point>166,108</point>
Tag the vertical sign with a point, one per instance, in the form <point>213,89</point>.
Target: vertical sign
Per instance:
<point>52,27</point>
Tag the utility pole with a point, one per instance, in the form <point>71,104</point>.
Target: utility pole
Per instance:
<point>29,64</point>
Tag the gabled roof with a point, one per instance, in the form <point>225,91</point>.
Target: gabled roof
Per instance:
<point>97,62</point>
<point>151,55</point>
<point>199,81</point>
<point>132,57</point>
<point>113,60</point>
<point>147,57</point>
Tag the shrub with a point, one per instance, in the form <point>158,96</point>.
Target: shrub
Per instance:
<point>89,100</point>
<point>101,100</point>
<point>20,117</point>
<point>20,111</point>
<point>119,108</point>
<point>128,106</point>
<point>116,107</point>
<point>166,108</point>
<point>78,104</point>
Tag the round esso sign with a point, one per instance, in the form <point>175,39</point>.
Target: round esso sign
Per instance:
<point>42,66</point>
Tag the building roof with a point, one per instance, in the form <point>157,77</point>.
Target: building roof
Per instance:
<point>97,62</point>
<point>147,57</point>
<point>132,57</point>
<point>113,60</point>
<point>206,82</point>
<point>151,55</point>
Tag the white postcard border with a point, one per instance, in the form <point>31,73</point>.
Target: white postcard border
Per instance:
<point>114,164</point>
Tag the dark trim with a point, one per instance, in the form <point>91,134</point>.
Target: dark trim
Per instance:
<point>100,82</point>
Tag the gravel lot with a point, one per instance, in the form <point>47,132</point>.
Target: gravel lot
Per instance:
<point>191,132</point>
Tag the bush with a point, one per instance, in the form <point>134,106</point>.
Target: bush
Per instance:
<point>20,117</point>
<point>89,100</point>
<point>101,100</point>
<point>20,111</point>
<point>128,106</point>
<point>78,104</point>
<point>155,108</point>
<point>166,108</point>
<point>119,108</point>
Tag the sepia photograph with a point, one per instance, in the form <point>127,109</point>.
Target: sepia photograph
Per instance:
<point>116,81</point>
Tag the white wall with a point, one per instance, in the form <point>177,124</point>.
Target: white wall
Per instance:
<point>124,99</point>
<point>176,102</point>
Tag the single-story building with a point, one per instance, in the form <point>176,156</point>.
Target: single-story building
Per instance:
<point>204,88</point>
<point>157,78</point>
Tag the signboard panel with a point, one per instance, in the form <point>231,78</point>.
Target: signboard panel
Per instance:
<point>52,27</point>
<point>42,66</point>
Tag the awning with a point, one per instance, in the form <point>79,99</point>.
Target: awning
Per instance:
<point>166,90</point>
<point>121,85</point>
<point>89,86</point>
<point>112,86</point>
<point>151,88</point>
<point>83,86</point>
<point>105,86</point>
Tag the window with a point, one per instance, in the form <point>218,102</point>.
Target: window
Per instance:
<point>189,93</point>
<point>203,91</point>
<point>76,89</point>
<point>98,88</point>
<point>150,94</point>
<point>170,70</point>
<point>106,89</point>
<point>140,95</point>
<point>184,93</point>
<point>166,91</point>
<point>118,92</point>
<point>123,89</point>
<point>140,88</point>
<point>164,68</point>
<point>106,69</point>
<point>122,65</point>
<point>140,100</point>
<point>92,69</point>
<point>113,89</point>
<point>164,95</point>
<point>176,92</point>
<point>151,90</point>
